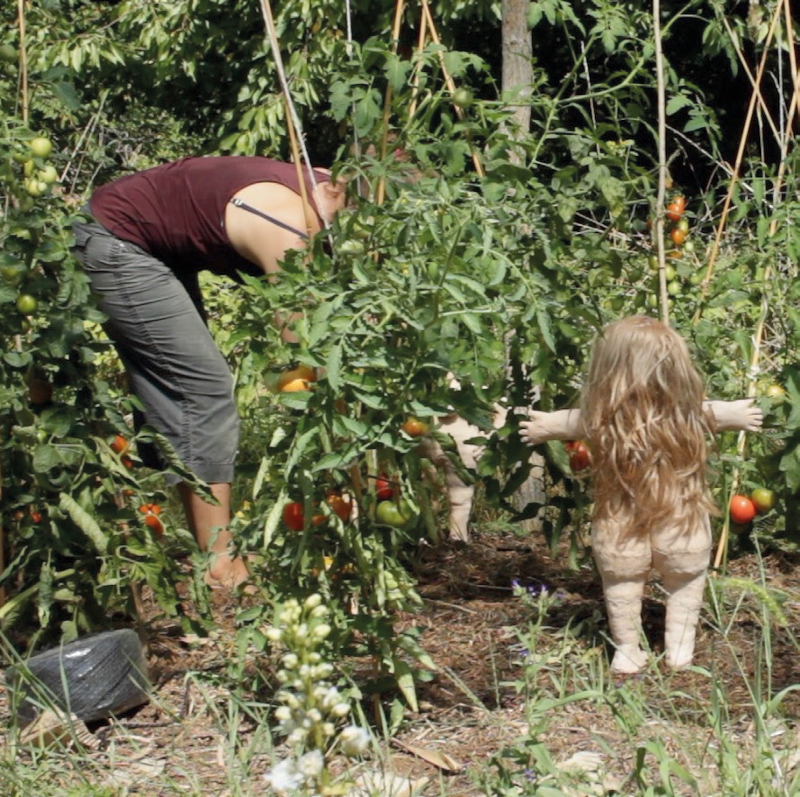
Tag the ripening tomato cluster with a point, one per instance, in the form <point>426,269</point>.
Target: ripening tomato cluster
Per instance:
<point>151,519</point>
<point>679,227</point>
<point>744,508</point>
<point>340,503</point>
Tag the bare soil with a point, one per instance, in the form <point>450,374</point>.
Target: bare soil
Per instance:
<point>472,708</point>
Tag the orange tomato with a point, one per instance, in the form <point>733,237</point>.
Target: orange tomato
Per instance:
<point>678,236</point>
<point>154,523</point>
<point>296,379</point>
<point>119,445</point>
<point>413,427</point>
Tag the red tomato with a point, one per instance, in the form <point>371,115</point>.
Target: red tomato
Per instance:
<point>341,504</point>
<point>742,509</point>
<point>36,517</point>
<point>150,509</point>
<point>294,519</point>
<point>579,455</point>
<point>383,489</point>
<point>293,516</point>
<point>119,445</point>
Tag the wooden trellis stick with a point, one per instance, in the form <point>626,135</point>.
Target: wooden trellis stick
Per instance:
<point>662,164</point>
<point>758,336</point>
<point>380,193</point>
<point>292,121</point>
<point>450,84</point>
<point>737,166</point>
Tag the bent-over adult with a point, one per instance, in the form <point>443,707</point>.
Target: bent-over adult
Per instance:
<point>148,237</point>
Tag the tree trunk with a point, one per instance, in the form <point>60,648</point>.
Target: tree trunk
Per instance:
<point>517,67</point>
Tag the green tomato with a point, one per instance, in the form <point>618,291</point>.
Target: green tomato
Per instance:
<point>36,187</point>
<point>462,98</point>
<point>12,273</point>
<point>40,146</point>
<point>351,247</point>
<point>674,288</point>
<point>391,514</point>
<point>688,246</point>
<point>48,175</point>
<point>670,273</point>
<point>683,225</point>
<point>8,53</point>
<point>763,498</point>
<point>27,168</point>
<point>27,304</point>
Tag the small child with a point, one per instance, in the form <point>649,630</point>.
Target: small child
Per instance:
<point>643,414</point>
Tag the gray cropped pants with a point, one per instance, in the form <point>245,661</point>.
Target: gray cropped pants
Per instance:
<point>157,323</point>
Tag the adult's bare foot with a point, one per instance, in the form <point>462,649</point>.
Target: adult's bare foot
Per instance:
<point>229,573</point>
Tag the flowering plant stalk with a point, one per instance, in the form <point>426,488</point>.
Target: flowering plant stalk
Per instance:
<point>312,709</point>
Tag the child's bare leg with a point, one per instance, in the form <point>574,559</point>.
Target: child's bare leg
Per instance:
<point>684,578</point>
<point>624,569</point>
<point>624,605</point>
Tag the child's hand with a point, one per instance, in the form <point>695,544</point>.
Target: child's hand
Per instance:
<point>535,430</point>
<point>742,415</point>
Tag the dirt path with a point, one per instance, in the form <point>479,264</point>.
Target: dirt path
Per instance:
<point>476,705</point>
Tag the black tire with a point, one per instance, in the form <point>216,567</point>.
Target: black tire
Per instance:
<point>94,677</point>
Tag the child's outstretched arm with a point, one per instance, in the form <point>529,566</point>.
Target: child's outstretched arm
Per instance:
<point>543,426</point>
<point>742,415</point>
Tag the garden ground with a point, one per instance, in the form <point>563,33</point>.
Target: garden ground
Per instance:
<point>503,683</point>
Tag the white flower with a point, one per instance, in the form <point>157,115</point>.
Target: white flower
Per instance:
<point>289,661</point>
<point>284,776</point>
<point>283,713</point>
<point>341,709</point>
<point>297,736</point>
<point>322,630</point>
<point>319,611</point>
<point>274,634</point>
<point>353,740</point>
<point>312,601</point>
<point>314,715</point>
<point>310,764</point>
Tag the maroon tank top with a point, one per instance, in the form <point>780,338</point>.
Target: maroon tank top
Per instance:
<point>176,212</point>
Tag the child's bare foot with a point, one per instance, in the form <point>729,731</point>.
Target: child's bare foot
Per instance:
<point>628,660</point>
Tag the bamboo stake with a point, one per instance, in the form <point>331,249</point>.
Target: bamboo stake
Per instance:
<point>741,443</point>
<point>662,164</point>
<point>23,61</point>
<point>451,85</point>
<point>423,25</point>
<point>292,118</point>
<point>307,213</point>
<point>380,193</point>
<point>737,166</point>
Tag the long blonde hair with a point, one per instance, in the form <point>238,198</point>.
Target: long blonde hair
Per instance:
<point>642,413</point>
